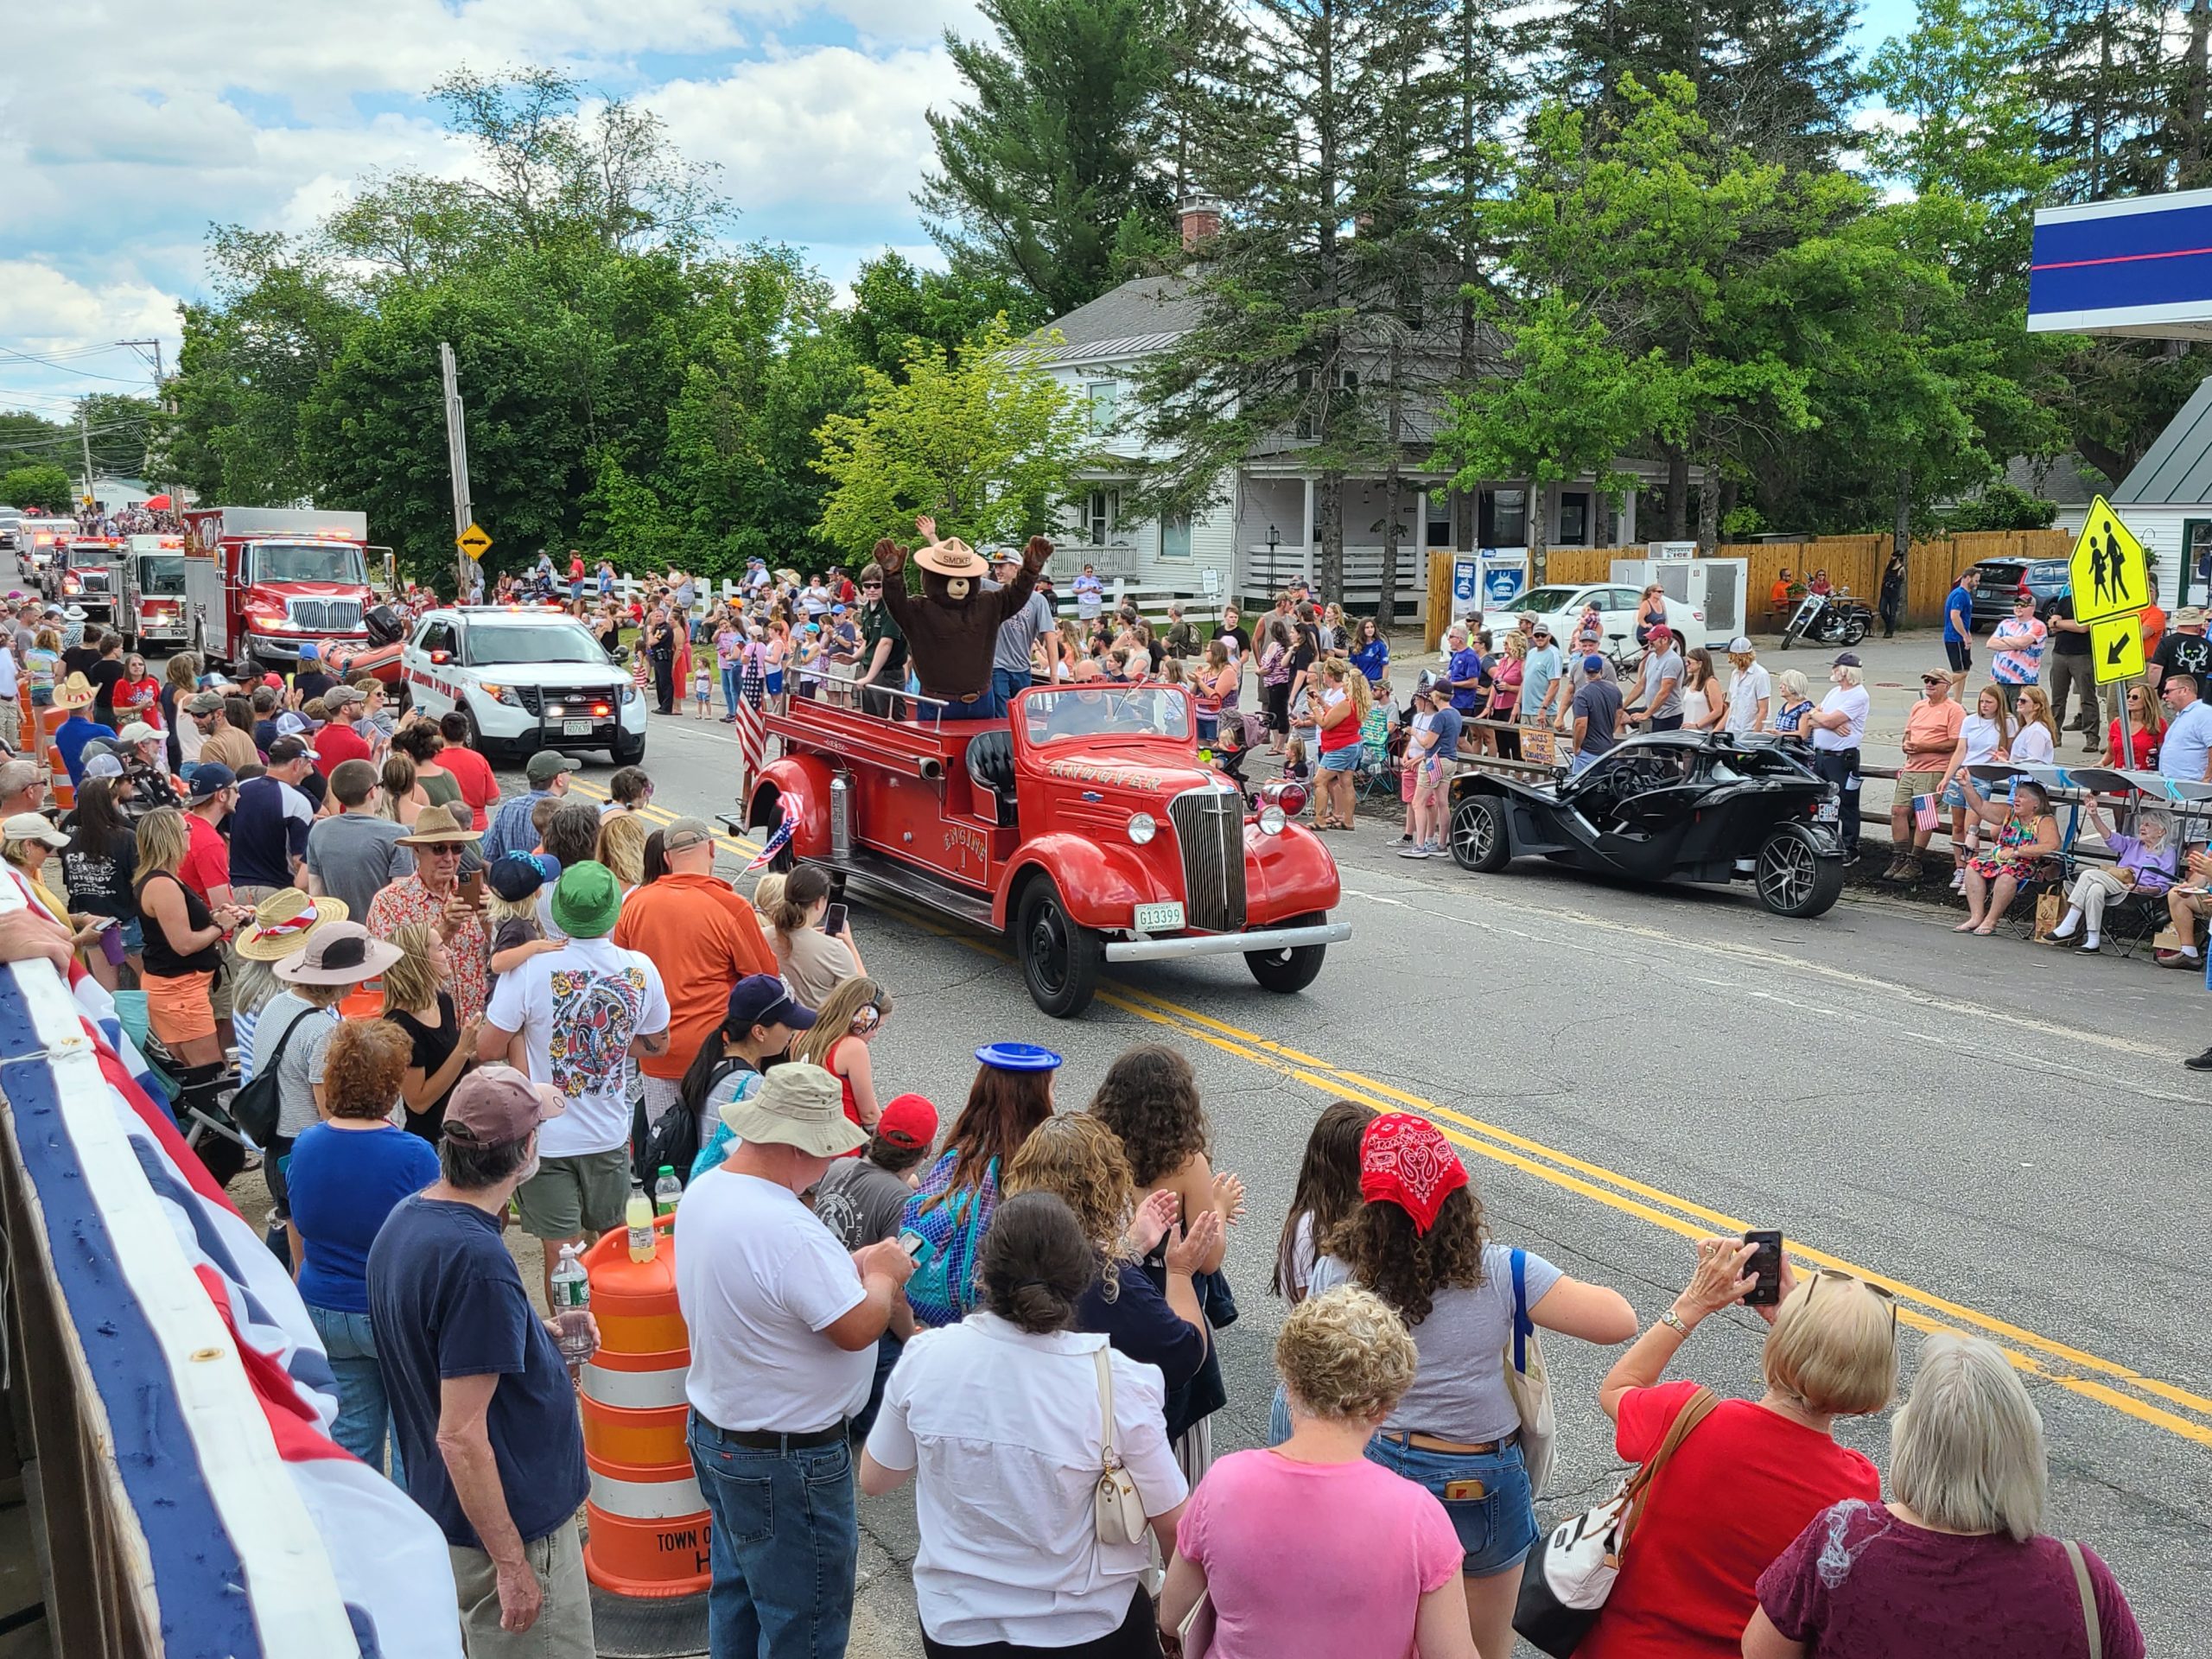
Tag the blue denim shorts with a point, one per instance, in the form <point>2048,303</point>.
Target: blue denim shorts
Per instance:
<point>1497,1530</point>
<point>1343,760</point>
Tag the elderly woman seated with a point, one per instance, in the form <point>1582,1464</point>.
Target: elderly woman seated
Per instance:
<point>2146,865</point>
<point>2026,832</point>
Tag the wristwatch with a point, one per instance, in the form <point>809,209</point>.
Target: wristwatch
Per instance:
<point>1671,1317</point>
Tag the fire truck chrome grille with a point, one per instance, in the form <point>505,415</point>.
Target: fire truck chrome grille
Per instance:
<point>1210,829</point>
<point>329,614</point>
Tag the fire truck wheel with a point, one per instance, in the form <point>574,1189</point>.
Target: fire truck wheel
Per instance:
<point>1294,967</point>
<point>1059,955</point>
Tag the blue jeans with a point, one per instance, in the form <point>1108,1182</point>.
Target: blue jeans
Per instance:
<point>1006,683</point>
<point>1278,1418</point>
<point>888,1349</point>
<point>783,1547</point>
<point>731,675</point>
<point>363,1415</point>
<point>1497,1530</point>
<point>984,708</point>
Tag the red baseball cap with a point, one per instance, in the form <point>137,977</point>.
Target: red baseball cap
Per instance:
<point>907,1121</point>
<point>1407,1160</point>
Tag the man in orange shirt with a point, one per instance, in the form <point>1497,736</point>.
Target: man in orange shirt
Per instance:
<point>2154,628</point>
<point>702,938</point>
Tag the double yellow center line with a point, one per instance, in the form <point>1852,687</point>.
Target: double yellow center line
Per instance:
<point>2147,1399</point>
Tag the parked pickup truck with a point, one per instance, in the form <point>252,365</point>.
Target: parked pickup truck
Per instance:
<point>1084,827</point>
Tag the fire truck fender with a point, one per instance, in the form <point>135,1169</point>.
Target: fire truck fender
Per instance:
<point>1101,884</point>
<point>803,779</point>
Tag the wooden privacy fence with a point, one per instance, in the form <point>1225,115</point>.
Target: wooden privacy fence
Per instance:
<point>1854,563</point>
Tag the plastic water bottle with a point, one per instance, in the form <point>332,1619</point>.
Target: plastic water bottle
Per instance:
<point>638,1217</point>
<point>668,1192</point>
<point>572,1306</point>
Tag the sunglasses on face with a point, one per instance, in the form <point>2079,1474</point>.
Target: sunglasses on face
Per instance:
<point>453,851</point>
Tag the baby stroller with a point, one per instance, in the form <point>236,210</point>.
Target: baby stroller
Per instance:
<point>1239,734</point>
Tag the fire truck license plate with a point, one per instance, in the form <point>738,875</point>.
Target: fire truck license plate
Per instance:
<point>1159,919</point>
<point>575,728</point>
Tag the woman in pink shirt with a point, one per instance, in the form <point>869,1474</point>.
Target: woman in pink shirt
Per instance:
<point>1266,1536</point>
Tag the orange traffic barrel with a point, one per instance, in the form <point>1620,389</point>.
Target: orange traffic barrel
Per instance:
<point>364,1002</point>
<point>647,1523</point>
<point>57,770</point>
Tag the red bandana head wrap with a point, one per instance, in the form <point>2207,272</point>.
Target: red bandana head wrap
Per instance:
<point>1407,1160</point>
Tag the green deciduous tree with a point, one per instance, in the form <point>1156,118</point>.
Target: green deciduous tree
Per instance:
<point>988,444</point>
<point>39,484</point>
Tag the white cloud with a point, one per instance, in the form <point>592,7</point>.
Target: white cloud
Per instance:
<point>832,126</point>
<point>45,311</point>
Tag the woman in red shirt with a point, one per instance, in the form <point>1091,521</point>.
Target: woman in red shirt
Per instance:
<point>1745,1481</point>
<point>2146,726</point>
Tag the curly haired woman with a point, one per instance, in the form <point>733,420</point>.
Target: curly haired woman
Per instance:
<point>1149,1098</point>
<point>1418,1241</point>
<point>1155,1320</point>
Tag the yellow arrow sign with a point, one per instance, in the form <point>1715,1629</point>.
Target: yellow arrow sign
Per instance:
<point>2110,577</point>
<point>473,541</point>
<point>2116,643</point>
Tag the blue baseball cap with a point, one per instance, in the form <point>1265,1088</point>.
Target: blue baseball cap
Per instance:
<point>1018,1057</point>
<point>210,778</point>
<point>765,1000</point>
<point>516,876</point>
<point>308,652</point>
<point>1593,664</point>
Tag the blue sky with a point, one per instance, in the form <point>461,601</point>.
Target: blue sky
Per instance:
<point>182,112</point>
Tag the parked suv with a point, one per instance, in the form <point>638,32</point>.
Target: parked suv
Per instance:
<point>2002,581</point>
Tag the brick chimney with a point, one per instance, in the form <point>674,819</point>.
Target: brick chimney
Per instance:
<point>1201,221</point>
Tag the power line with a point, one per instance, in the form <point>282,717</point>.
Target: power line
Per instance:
<point>76,374</point>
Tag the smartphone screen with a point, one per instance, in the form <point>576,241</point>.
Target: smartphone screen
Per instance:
<point>1766,1265</point>
<point>915,1245</point>
<point>833,919</point>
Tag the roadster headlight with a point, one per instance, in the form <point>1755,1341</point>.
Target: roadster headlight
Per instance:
<point>1142,827</point>
<point>1272,820</point>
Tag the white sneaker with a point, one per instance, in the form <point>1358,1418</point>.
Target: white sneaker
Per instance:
<point>1412,852</point>
<point>1958,882</point>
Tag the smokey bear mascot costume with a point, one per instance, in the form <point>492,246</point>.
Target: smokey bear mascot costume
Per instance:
<point>952,629</point>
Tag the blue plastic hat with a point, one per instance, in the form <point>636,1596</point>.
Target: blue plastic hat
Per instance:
<point>1018,1057</point>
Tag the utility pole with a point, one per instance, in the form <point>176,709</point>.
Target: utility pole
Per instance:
<point>166,407</point>
<point>457,453</point>
<point>85,435</point>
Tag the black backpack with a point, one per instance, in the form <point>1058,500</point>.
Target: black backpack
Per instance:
<point>674,1140</point>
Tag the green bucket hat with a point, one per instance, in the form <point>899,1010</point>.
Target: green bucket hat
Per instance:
<point>586,900</point>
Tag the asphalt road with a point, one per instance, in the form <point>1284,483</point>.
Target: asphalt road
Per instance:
<point>2000,1132</point>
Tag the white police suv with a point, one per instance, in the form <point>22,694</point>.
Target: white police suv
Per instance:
<point>528,677</point>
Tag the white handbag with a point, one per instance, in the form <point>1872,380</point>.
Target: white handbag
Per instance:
<point>1530,1388</point>
<point>1120,1509</point>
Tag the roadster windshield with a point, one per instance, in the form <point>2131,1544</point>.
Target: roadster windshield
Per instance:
<point>1102,708</point>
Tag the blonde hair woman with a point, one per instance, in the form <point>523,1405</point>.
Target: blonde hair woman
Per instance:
<point>844,1025</point>
<point>183,938</point>
<point>441,1049</point>
<point>1340,701</point>
<point>1956,1561</point>
<point>1745,1484</point>
<point>1984,734</point>
<point>1265,1535</point>
<point>622,848</point>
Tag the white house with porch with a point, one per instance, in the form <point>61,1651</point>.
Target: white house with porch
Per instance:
<point>1262,531</point>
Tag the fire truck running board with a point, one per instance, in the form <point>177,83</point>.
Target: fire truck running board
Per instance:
<point>894,880</point>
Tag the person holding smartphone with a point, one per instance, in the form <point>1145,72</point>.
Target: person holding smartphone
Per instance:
<point>813,962</point>
<point>1749,1474</point>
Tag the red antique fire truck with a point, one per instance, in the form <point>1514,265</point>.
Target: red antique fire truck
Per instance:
<point>1087,827</point>
<point>259,582</point>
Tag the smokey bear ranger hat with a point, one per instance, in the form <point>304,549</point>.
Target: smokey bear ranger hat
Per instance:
<point>952,557</point>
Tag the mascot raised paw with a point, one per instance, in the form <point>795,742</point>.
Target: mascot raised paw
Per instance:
<point>952,626</point>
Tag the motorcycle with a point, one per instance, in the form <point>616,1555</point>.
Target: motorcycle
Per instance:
<point>1829,620</point>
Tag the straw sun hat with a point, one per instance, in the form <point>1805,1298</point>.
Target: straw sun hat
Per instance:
<point>284,921</point>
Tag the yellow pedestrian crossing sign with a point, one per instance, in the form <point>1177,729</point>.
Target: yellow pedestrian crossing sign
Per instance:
<point>2116,644</point>
<point>2110,577</point>
<point>473,541</point>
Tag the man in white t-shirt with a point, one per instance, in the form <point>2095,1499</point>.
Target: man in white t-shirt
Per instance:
<point>1838,725</point>
<point>1751,689</point>
<point>573,1018</point>
<point>784,1324</point>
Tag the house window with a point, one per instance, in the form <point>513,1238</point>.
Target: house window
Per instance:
<point>1501,518</point>
<point>1439,519</point>
<point>1574,519</point>
<point>1175,536</point>
<point>1101,513</point>
<point>1105,397</point>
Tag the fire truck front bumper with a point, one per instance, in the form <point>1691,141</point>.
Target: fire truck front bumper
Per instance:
<point>1227,945</point>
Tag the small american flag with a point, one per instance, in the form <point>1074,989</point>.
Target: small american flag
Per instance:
<point>776,843</point>
<point>752,738</point>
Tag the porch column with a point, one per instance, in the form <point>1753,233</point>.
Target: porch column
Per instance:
<point>1628,537</point>
<point>1306,529</point>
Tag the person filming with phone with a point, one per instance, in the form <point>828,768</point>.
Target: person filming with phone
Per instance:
<point>1742,1483</point>
<point>814,956</point>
